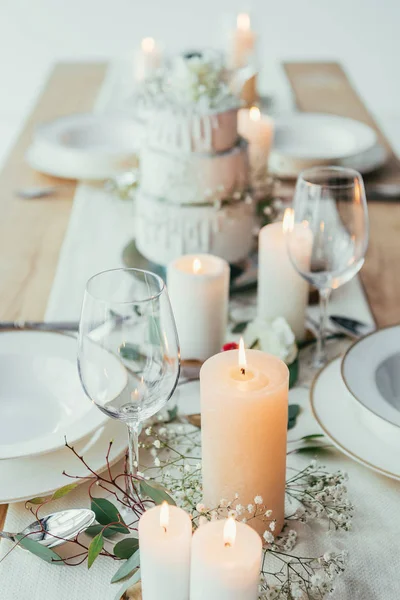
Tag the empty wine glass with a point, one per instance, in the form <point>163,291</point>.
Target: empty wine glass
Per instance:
<point>128,349</point>
<point>327,236</point>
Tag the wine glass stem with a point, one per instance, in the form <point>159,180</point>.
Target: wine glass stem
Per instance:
<point>320,353</point>
<point>133,456</point>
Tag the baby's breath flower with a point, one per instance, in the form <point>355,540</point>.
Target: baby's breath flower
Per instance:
<point>258,500</point>
<point>268,513</point>
<point>148,431</point>
<point>250,508</point>
<point>268,537</point>
<point>201,508</point>
<point>157,462</point>
<point>157,444</point>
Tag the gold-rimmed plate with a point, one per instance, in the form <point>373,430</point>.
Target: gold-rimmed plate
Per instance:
<point>342,420</point>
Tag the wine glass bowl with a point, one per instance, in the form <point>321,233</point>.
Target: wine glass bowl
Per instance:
<point>327,237</point>
<point>128,349</point>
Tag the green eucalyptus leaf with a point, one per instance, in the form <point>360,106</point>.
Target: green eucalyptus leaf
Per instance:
<point>131,352</point>
<point>156,492</point>
<point>128,566</point>
<point>95,547</point>
<point>37,500</point>
<point>63,491</point>
<point>293,372</point>
<point>107,513</point>
<point>128,583</point>
<point>312,436</point>
<point>125,548</point>
<point>240,327</point>
<point>108,532</point>
<point>294,411</point>
<point>173,413</point>
<point>316,448</point>
<point>46,554</point>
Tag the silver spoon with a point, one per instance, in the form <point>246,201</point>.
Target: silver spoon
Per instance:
<point>34,192</point>
<point>65,524</point>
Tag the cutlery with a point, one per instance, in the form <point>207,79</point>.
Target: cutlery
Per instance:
<point>65,524</point>
<point>34,192</point>
<point>351,327</point>
<point>41,325</point>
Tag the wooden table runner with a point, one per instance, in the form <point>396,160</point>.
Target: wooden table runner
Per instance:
<point>324,87</point>
<point>32,231</point>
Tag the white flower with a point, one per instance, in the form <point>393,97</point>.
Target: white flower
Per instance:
<point>250,508</point>
<point>240,509</point>
<point>148,431</point>
<point>187,468</point>
<point>202,521</point>
<point>258,500</point>
<point>272,525</point>
<point>223,503</point>
<point>157,462</point>
<point>268,537</point>
<point>157,444</point>
<point>274,337</point>
<point>268,513</point>
<point>232,513</point>
<point>201,508</point>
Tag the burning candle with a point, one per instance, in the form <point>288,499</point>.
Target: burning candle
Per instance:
<point>226,560</point>
<point>257,129</point>
<point>282,292</point>
<point>244,412</point>
<point>165,537</point>
<point>198,287</point>
<point>147,59</point>
<point>243,42</point>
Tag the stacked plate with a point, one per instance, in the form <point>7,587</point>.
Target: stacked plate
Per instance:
<point>304,140</point>
<point>43,404</point>
<point>85,146</point>
<point>356,401</point>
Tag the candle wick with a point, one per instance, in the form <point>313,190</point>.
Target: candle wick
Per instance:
<point>243,370</point>
<point>227,545</point>
<point>165,529</point>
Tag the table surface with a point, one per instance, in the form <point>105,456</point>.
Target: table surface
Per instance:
<point>31,232</point>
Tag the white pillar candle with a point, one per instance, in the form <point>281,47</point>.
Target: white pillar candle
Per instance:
<point>257,129</point>
<point>282,292</point>
<point>243,41</point>
<point>165,537</point>
<point>147,59</point>
<point>244,414</point>
<point>198,286</point>
<point>226,561</point>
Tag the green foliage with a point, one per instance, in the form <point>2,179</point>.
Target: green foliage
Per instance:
<point>106,514</point>
<point>156,492</point>
<point>125,548</point>
<point>46,554</point>
<point>95,547</point>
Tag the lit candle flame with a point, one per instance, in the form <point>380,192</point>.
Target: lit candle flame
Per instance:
<point>229,532</point>
<point>196,265</point>
<point>254,113</point>
<point>242,357</point>
<point>164,516</point>
<point>243,22</point>
<point>148,44</point>
<point>288,220</point>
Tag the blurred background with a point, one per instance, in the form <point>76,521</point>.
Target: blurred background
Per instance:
<point>361,34</point>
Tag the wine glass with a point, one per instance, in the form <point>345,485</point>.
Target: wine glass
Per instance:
<point>128,350</point>
<point>327,236</point>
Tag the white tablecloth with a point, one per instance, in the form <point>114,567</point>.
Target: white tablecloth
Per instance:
<point>99,228</point>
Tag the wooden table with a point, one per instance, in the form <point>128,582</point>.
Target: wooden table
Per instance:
<point>31,231</point>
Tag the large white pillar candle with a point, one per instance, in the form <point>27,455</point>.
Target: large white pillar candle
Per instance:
<point>244,415</point>
<point>226,561</point>
<point>198,286</point>
<point>257,129</point>
<point>147,59</point>
<point>282,292</point>
<point>165,537</point>
<point>243,45</point>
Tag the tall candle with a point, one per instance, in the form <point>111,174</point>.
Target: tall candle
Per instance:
<point>257,129</point>
<point>242,54</point>
<point>147,59</point>
<point>198,287</point>
<point>244,413</point>
<point>165,537</point>
<point>282,292</point>
<point>226,561</point>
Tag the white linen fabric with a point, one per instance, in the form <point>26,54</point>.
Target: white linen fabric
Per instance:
<point>99,228</point>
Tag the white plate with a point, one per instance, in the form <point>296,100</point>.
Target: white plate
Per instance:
<point>371,371</point>
<point>341,420</point>
<point>311,139</point>
<point>84,146</point>
<point>25,478</point>
<point>41,396</point>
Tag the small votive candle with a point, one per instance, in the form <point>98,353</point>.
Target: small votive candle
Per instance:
<point>198,286</point>
<point>226,561</point>
<point>258,130</point>
<point>165,537</point>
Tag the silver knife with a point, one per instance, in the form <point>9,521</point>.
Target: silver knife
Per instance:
<point>41,325</point>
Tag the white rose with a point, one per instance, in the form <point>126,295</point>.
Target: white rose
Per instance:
<point>274,337</point>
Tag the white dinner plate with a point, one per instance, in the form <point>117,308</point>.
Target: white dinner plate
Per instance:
<point>84,146</point>
<point>25,478</point>
<point>371,371</point>
<point>41,397</point>
<point>305,140</point>
<point>341,419</point>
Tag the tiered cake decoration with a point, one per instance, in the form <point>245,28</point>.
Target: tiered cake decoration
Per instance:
<point>193,192</point>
